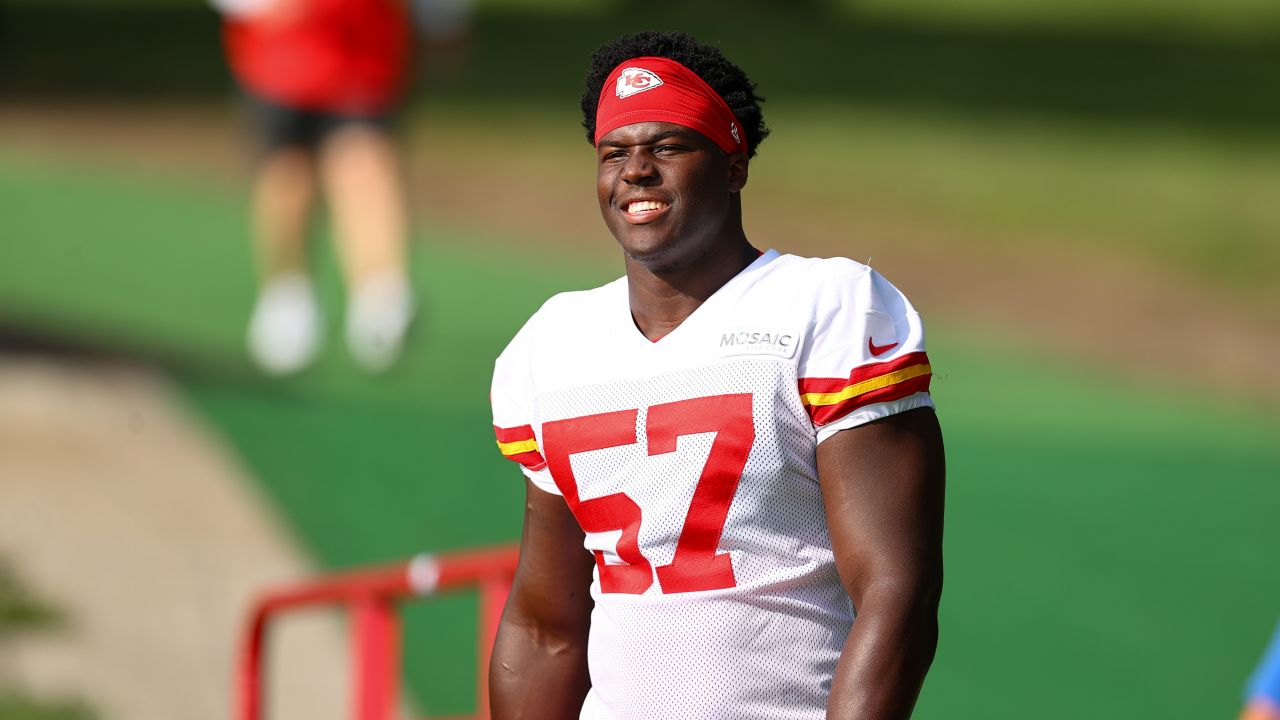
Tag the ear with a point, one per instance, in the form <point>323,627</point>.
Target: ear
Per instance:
<point>738,171</point>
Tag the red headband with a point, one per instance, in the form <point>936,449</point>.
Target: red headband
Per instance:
<point>648,89</point>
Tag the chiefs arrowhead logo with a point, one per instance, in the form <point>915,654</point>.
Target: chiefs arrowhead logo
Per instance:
<point>635,80</point>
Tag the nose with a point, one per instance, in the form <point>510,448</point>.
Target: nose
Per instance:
<point>639,170</point>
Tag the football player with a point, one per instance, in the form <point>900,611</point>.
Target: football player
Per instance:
<point>322,79</point>
<point>743,442</point>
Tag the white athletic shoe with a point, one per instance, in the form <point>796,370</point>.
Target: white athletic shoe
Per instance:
<point>379,312</point>
<point>286,328</point>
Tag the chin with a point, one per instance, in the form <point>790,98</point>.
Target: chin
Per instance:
<point>662,259</point>
<point>642,245</point>
<point>645,251</point>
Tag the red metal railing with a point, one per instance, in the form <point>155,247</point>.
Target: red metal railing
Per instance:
<point>371,597</point>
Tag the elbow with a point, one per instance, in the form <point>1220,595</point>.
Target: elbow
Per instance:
<point>925,601</point>
<point>924,596</point>
<point>915,624</point>
<point>921,600</point>
<point>915,588</point>
<point>532,637</point>
<point>908,601</point>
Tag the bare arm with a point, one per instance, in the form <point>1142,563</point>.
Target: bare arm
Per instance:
<point>539,667</point>
<point>883,488</point>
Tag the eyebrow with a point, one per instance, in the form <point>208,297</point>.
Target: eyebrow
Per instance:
<point>659,137</point>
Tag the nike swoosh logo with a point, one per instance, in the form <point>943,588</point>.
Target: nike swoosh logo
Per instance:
<point>878,350</point>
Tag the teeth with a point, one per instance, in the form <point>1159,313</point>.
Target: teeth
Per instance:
<point>644,206</point>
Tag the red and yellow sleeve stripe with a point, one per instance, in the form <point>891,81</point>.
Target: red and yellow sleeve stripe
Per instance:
<point>829,399</point>
<point>519,444</point>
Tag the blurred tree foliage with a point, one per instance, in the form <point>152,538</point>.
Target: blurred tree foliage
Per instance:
<point>20,707</point>
<point>815,51</point>
<point>21,612</point>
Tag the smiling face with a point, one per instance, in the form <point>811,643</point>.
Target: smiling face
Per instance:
<point>667,193</point>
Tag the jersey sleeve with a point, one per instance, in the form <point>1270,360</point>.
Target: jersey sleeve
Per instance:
<point>511,395</point>
<point>865,357</point>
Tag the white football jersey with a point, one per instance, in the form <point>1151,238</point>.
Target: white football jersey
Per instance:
<point>690,463</point>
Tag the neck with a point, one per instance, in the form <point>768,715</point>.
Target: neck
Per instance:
<point>664,297</point>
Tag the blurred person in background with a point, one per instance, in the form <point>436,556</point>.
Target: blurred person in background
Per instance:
<point>323,79</point>
<point>1262,697</point>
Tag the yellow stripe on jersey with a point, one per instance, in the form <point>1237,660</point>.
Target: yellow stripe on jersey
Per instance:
<point>517,447</point>
<point>866,386</point>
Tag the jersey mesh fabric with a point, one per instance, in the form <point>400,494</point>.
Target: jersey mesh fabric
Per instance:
<point>763,648</point>
<point>817,346</point>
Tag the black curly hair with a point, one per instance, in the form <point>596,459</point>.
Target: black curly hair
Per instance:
<point>707,61</point>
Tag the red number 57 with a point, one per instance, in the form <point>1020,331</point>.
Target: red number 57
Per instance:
<point>697,565</point>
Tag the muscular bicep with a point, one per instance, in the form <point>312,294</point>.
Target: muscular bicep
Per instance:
<point>553,580</point>
<point>883,484</point>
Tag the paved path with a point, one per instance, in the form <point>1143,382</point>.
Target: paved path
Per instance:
<point>120,509</point>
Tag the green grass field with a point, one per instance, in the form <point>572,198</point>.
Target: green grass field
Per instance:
<point>1109,544</point>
